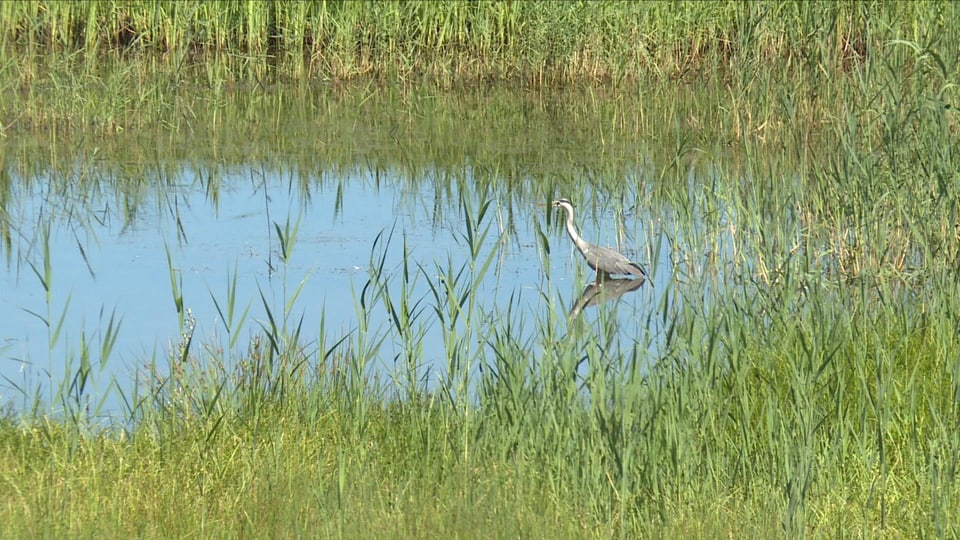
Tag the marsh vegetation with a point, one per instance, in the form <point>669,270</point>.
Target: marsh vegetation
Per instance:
<point>788,172</point>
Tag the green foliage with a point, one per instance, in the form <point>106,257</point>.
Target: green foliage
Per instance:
<point>799,374</point>
<point>540,43</point>
<point>791,406</point>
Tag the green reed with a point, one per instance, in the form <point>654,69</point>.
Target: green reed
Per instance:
<point>451,41</point>
<point>788,395</point>
<point>797,372</point>
<point>58,73</point>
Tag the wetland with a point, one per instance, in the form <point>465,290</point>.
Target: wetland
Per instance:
<point>316,286</point>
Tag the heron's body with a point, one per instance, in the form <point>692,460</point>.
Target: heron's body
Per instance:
<point>604,260</point>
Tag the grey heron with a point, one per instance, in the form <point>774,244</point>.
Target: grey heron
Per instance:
<point>604,260</point>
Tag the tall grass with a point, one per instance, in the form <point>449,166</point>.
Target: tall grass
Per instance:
<point>541,43</point>
<point>813,402</point>
<point>798,375</point>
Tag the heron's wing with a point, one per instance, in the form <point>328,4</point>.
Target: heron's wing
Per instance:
<point>623,265</point>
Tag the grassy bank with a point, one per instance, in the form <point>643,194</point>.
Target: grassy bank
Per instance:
<point>105,68</point>
<point>538,43</point>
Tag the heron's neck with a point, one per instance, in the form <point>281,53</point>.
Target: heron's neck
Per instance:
<point>572,231</point>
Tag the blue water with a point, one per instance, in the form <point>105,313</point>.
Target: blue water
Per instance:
<point>106,263</point>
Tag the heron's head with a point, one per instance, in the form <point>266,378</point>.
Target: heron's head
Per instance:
<point>562,203</point>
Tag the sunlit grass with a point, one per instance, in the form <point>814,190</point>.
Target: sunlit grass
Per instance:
<point>797,375</point>
<point>539,43</point>
<point>770,410</point>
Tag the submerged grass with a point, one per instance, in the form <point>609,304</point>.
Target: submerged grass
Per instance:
<point>799,375</point>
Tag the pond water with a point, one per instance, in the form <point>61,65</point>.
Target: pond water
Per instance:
<point>190,236</point>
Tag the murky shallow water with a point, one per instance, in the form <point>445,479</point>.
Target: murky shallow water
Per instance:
<point>101,264</point>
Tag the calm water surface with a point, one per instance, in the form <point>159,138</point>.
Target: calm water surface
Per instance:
<point>102,263</point>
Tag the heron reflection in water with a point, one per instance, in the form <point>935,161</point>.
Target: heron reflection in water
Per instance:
<point>597,293</point>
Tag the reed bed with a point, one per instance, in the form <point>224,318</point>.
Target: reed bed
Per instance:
<point>799,375</point>
<point>538,43</point>
<point>815,403</point>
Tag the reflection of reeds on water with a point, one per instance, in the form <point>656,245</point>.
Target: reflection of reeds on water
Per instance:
<point>605,291</point>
